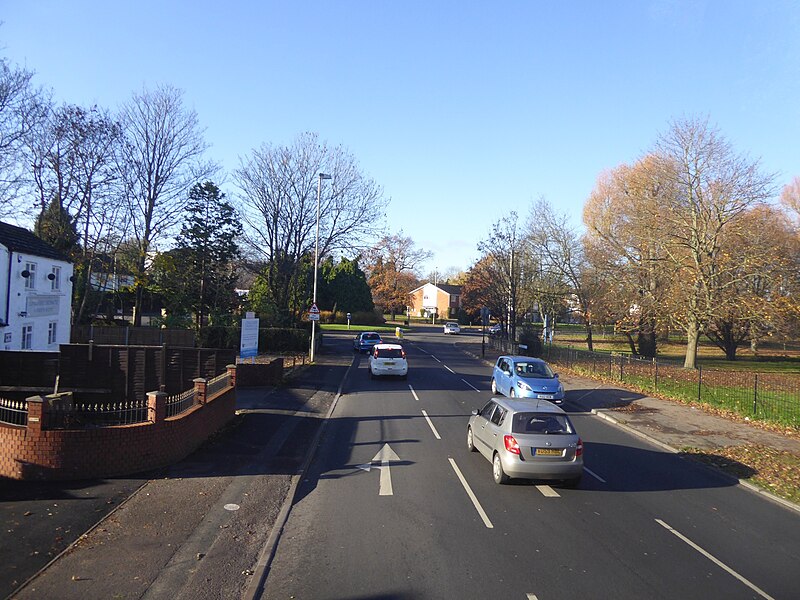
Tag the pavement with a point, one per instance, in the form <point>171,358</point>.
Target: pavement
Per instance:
<point>207,526</point>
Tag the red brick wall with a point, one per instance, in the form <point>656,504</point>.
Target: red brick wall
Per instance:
<point>30,453</point>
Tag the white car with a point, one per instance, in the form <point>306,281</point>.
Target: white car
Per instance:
<point>388,359</point>
<point>451,327</point>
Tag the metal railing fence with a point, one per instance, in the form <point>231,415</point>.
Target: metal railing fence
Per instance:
<point>178,403</point>
<point>217,384</point>
<point>77,415</point>
<point>767,396</point>
<point>13,412</point>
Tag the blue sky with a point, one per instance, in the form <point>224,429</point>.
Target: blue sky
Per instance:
<point>462,111</point>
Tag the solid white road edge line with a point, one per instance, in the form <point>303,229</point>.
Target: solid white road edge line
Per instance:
<point>428,419</point>
<point>472,497</point>
<point>716,561</point>
<point>413,393</point>
<point>595,475</point>
<point>470,385</point>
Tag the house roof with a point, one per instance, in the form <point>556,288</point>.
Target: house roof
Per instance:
<point>453,290</point>
<point>18,239</point>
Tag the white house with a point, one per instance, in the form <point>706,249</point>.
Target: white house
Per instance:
<point>35,292</point>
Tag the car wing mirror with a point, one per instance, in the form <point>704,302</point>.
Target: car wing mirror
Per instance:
<point>475,412</point>
<point>555,375</point>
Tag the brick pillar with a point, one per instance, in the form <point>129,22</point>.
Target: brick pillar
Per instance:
<point>37,408</point>
<point>200,386</point>
<point>156,406</point>
<point>231,374</point>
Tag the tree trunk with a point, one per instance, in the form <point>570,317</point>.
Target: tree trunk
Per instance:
<point>631,343</point>
<point>692,339</point>
<point>589,341</point>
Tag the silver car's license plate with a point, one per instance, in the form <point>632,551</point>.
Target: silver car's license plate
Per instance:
<point>545,396</point>
<point>547,452</point>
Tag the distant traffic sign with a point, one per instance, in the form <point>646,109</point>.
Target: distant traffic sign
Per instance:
<point>313,313</point>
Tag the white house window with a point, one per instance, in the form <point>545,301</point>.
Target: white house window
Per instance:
<point>52,328</point>
<point>27,337</point>
<point>30,280</point>
<point>55,280</point>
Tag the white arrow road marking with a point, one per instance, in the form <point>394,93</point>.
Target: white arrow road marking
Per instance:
<point>470,385</point>
<point>716,561</point>
<point>547,491</point>
<point>428,419</point>
<point>472,497</point>
<point>385,456</point>
<point>414,393</point>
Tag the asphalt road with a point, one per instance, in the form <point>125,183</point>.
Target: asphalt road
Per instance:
<point>394,506</point>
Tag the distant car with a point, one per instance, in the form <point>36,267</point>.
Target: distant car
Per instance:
<point>388,359</point>
<point>452,327</point>
<point>530,440</point>
<point>526,377</point>
<point>495,329</point>
<point>365,340</point>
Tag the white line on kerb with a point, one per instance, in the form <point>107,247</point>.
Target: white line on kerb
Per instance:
<point>472,497</point>
<point>595,475</point>
<point>470,385</point>
<point>428,419</point>
<point>449,369</point>
<point>414,393</point>
<point>716,561</point>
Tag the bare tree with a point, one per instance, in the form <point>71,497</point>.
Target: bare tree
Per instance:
<point>710,186</point>
<point>560,251</point>
<point>278,200</point>
<point>790,197</point>
<point>21,109</point>
<point>161,158</point>
<point>508,257</point>
<point>73,165</point>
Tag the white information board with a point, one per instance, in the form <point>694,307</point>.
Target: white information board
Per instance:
<point>248,347</point>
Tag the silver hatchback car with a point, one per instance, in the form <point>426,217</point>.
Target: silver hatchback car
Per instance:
<point>526,439</point>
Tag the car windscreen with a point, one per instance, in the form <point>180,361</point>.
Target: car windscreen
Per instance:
<point>541,423</point>
<point>390,353</point>
<point>533,370</point>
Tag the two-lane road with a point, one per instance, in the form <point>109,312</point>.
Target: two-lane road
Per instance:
<point>394,506</point>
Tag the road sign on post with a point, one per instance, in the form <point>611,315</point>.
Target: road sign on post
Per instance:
<point>348,320</point>
<point>313,313</point>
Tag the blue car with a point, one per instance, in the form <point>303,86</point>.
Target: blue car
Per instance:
<point>526,377</point>
<point>364,341</point>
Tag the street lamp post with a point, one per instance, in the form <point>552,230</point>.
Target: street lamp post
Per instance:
<point>321,176</point>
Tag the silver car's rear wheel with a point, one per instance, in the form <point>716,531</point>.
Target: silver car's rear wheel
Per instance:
<point>494,387</point>
<point>500,476</point>
<point>470,442</point>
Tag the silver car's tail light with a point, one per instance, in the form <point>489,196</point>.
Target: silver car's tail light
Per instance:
<point>511,444</point>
